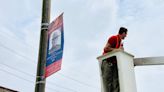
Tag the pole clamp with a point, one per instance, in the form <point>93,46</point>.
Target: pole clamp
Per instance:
<point>44,26</point>
<point>39,82</point>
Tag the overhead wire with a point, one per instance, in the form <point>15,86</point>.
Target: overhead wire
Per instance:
<point>34,76</point>
<point>80,82</point>
<point>19,77</point>
<point>68,77</point>
<point>16,53</point>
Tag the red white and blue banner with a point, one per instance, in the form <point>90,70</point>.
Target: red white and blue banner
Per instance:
<point>55,46</point>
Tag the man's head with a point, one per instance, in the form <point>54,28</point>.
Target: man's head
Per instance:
<point>54,39</point>
<point>122,32</point>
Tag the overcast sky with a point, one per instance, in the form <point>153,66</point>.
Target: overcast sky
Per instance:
<point>87,26</point>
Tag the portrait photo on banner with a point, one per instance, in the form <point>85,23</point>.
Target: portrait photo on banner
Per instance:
<point>55,41</point>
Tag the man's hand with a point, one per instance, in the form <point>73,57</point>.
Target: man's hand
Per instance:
<point>121,47</point>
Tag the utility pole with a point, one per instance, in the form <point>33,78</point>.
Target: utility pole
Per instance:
<point>40,76</point>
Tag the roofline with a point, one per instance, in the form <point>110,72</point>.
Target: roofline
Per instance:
<point>8,89</point>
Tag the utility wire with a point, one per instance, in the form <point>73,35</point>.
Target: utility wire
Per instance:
<point>19,77</point>
<point>15,75</point>
<point>77,81</point>
<point>14,52</point>
<point>11,67</point>
<point>34,76</point>
<point>9,37</point>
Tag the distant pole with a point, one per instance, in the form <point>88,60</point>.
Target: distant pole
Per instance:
<point>40,79</point>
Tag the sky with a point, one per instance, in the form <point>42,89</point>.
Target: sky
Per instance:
<point>87,26</point>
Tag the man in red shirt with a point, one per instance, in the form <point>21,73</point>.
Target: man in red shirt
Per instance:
<point>109,65</point>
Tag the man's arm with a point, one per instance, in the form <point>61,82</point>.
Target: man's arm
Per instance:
<point>108,48</point>
<point>121,47</point>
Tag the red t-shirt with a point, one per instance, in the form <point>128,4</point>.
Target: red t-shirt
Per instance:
<point>114,41</point>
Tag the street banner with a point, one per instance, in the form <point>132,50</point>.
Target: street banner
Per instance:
<point>55,46</point>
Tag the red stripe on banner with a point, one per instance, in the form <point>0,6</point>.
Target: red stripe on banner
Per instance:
<point>55,24</point>
<point>54,67</point>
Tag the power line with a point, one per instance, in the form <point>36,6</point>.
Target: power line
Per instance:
<point>19,77</point>
<point>59,73</point>
<point>78,81</point>
<point>15,75</point>
<point>11,50</point>
<point>52,82</point>
<point>62,87</point>
<point>34,76</point>
<point>14,52</point>
<point>17,70</point>
<point>9,37</point>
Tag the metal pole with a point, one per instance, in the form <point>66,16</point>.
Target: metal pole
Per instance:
<point>40,79</point>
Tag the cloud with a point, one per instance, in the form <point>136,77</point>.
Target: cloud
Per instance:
<point>87,26</point>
